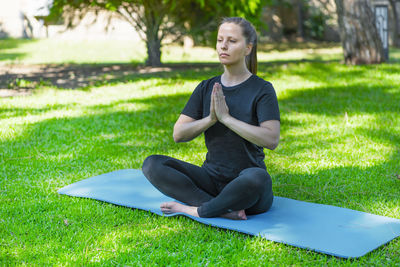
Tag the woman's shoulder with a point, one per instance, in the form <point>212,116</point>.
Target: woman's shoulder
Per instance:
<point>262,83</point>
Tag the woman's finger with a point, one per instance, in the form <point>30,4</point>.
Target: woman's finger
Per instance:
<point>216,85</point>
<point>218,91</point>
<point>212,104</point>
<point>220,95</point>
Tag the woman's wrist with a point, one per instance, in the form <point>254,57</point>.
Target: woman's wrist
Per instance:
<point>211,119</point>
<point>226,120</point>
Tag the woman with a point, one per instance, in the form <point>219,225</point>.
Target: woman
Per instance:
<point>239,115</point>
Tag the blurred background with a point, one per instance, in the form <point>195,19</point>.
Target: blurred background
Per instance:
<point>284,20</point>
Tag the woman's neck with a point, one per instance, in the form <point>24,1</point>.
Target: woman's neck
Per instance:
<point>234,74</point>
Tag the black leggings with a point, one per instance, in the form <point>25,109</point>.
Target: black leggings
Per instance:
<point>192,185</point>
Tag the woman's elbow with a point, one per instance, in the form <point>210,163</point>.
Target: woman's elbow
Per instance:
<point>273,144</point>
<point>177,138</point>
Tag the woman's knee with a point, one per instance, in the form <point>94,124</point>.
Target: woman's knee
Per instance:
<point>152,164</point>
<point>256,178</point>
<point>263,205</point>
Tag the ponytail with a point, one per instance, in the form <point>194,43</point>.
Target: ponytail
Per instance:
<point>251,60</point>
<point>251,37</point>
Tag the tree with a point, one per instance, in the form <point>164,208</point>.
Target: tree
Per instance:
<point>154,20</point>
<point>300,18</point>
<point>360,38</point>
<point>396,18</point>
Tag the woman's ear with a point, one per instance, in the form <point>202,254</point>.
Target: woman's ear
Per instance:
<point>249,47</point>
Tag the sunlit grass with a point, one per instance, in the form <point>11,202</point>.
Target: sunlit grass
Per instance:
<point>57,51</point>
<point>45,51</point>
<point>339,146</point>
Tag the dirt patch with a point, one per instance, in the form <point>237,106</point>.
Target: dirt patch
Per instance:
<point>21,79</point>
<point>18,80</point>
<point>14,92</point>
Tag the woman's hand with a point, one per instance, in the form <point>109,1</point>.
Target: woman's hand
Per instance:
<point>265,135</point>
<point>187,128</point>
<point>213,116</point>
<point>218,101</point>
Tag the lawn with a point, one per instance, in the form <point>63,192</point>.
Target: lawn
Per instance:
<point>339,146</point>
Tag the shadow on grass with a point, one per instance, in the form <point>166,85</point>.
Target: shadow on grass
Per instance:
<point>84,76</point>
<point>338,100</point>
<point>18,112</point>
<point>329,72</point>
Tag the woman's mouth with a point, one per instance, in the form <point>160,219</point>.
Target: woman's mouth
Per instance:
<point>223,55</point>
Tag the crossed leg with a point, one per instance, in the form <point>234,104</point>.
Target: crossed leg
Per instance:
<point>250,192</point>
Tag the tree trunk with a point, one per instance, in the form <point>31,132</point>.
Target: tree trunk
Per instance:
<point>153,51</point>
<point>153,17</point>
<point>396,36</point>
<point>300,17</point>
<point>360,38</point>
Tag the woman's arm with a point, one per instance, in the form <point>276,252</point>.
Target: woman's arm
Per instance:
<point>265,135</point>
<point>187,128</point>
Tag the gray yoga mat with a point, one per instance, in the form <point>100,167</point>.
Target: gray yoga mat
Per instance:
<point>327,229</point>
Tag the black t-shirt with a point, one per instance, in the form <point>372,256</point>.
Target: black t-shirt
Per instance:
<point>252,101</point>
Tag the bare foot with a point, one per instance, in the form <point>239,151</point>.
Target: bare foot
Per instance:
<point>174,207</point>
<point>235,215</point>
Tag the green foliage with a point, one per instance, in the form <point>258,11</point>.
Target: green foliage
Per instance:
<point>203,22</point>
<point>315,22</point>
<point>192,12</point>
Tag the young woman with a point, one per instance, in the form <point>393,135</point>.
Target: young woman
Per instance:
<point>239,115</point>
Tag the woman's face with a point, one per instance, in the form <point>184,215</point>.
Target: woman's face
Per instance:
<point>231,44</point>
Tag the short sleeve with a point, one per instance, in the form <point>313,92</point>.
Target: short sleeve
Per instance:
<point>267,105</point>
<point>194,107</point>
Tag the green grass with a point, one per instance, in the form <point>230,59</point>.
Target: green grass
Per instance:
<point>339,146</point>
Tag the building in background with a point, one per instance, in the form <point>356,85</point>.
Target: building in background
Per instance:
<point>17,18</point>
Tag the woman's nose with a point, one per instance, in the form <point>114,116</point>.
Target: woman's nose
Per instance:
<point>224,45</point>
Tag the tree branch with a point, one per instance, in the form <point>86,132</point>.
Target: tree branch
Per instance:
<point>135,22</point>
